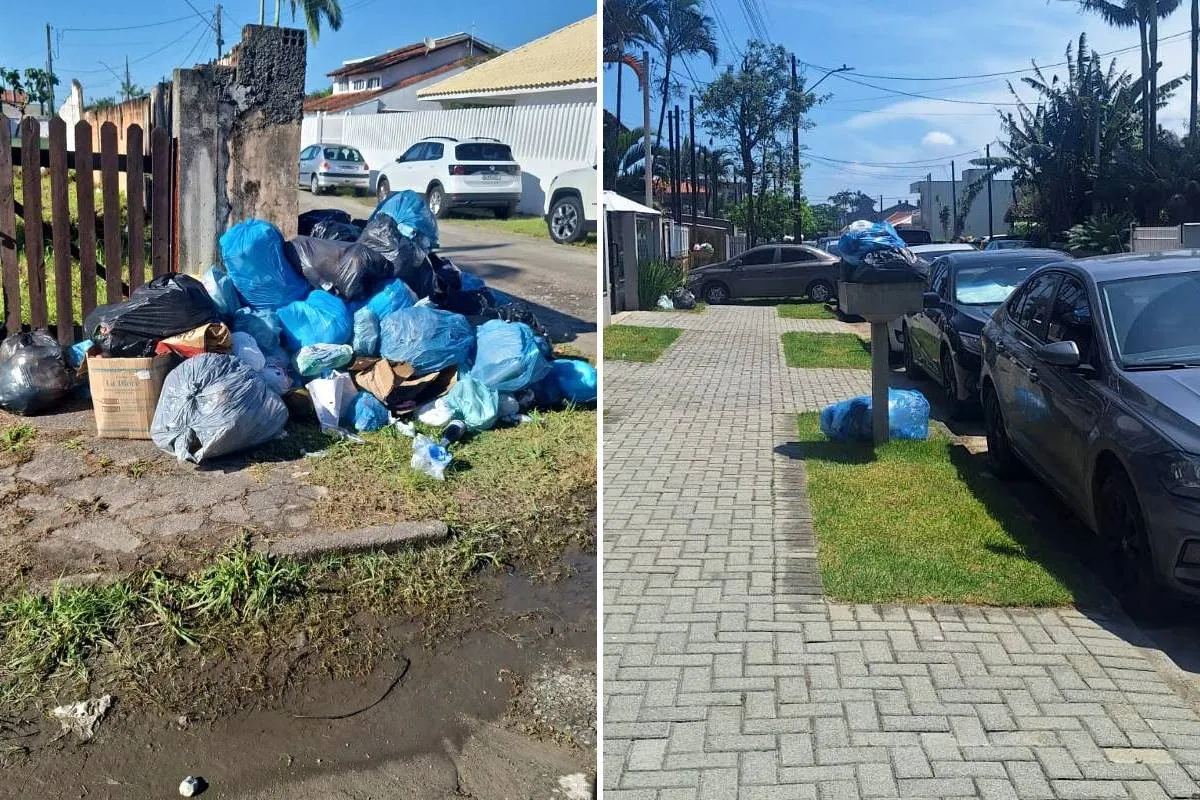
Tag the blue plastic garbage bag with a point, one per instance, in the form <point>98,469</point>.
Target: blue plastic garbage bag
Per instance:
<point>213,404</point>
<point>253,254</point>
<point>507,356</point>
<point>321,318</point>
<point>264,327</point>
<point>850,420</point>
<point>575,378</point>
<point>474,402</point>
<point>315,359</point>
<point>412,215</point>
<point>368,413</point>
<point>855,244</point>
<point>392,296</point>
<point>427,338</point>
<point>222,291</point>
<point>366,333</point>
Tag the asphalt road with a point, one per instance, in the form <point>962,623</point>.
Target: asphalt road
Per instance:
<point>558,283</point>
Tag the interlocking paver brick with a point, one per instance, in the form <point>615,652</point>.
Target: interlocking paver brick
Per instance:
<point>725,666</point>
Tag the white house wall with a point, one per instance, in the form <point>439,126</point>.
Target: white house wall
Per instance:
<point>406,99</point>
<point>546,139</point>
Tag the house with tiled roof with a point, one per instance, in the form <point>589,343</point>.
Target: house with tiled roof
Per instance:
<point>390,81</point>
<point>560,67</point>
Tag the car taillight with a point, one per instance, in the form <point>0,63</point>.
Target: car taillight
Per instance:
<point>458,169</point>
<point>365,168</point>
<point>325,166</point>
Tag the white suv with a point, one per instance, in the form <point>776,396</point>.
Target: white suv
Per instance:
<point>476,173</point>
<point>571,205</point>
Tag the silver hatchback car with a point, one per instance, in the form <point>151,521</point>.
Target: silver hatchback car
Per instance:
<point>332,166</point>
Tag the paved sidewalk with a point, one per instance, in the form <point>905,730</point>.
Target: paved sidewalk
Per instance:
<point>727,674</point>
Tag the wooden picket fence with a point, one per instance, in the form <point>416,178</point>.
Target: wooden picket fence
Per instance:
<point>94,248</point>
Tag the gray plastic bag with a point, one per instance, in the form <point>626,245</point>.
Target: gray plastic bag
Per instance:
<point>212,405</point>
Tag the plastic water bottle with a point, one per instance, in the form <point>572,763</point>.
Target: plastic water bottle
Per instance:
<point>453,432</point>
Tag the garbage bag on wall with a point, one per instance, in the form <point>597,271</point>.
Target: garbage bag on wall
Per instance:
<point>213,405</point>
<point>508,356</point>
<point>253,253</point>
<point>407,259</point>
<point>166,306</point>
<point>872,252</point>
<point>321,318</point>
<point>336,230</point>
<point>33,373</point>
<point>344,269</point>
<point>412,215</point>
<point>850,420</point>
<point>427,338</point>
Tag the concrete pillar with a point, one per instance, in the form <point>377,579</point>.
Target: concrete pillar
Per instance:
<point>238,130</point>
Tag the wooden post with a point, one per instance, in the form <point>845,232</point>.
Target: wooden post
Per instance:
<point>112,211</point>
<point>85,199</point>
<point>9,274</point>
<point>35,250</point>
<point>135,194</point>
<point>60,220</point>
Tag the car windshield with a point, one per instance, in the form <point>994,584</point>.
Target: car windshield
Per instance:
<point>483,151</point>
<point>1009,244</point>
<point>1152,319</point>
<point>991,284</point>
<point>343,154</point>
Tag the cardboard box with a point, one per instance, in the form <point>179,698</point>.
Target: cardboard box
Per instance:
<point>125,393</point>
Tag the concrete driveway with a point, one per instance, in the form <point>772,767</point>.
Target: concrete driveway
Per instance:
<point>557,282</point>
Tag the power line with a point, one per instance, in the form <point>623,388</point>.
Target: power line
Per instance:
<point>126,27</point>
<point>203,35</point>
<point>207,20</point>
<point>140,59</point>
<point>919,162</point>
<point>848,79</point>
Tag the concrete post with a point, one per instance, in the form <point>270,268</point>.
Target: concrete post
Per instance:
<point>238,131</point>
<point>880,373</point>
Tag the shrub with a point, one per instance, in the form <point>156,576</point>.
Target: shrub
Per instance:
<point>657,278</point>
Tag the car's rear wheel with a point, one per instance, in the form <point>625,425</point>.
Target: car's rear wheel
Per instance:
<point>436,198</point>
<point>382,189</point>
<point>504,212</point>
<point>715,293</point>
<point>313,186</point>
<point>910,359</point>
<point>954,406</point>
<point>1123,528</point>
<point>566,220</point>
<point>1001,458</point>
<point>819,291</point>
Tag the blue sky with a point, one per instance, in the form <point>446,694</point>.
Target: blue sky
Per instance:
<point>936,38</point>
<point>369,27</point>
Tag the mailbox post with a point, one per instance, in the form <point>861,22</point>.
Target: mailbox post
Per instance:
<point>879,304</point>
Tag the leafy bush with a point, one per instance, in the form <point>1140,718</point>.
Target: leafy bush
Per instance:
<point>1099,234</point>
<point>657,278</point>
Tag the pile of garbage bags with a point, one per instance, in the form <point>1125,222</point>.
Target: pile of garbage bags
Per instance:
<point>873,252</point>
<point>358,323</point>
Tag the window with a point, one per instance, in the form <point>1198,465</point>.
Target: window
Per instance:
<point>1071,317</point>
<point>307,152</point>
<point>792,255</point>
<point>413,153</point>
<point>373,83</point>
<point>433,151</point>
<point>483,151</point>
<point>1152,318</point>
<point>343,85</point>
<point>758,256</point>
<point>343,154</point>
<point>359,85</point>
<point>939,282</point>
<point>1035,306</point>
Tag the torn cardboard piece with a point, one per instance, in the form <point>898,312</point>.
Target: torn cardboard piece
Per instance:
<point>212,338</point>
<point>395,387</point>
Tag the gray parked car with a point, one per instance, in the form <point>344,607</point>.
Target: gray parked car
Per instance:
<point>329,166</point>
<point>769,271</point>
<point>1091,378</point>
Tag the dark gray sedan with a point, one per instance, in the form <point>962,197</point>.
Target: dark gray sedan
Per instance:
<point>769,271</point>
<point>1091,378</point>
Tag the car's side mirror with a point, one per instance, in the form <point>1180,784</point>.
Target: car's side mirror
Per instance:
<point>931,300</point>
<point>400,159</point>
<point>1060,354</point>
<point>737,262</point>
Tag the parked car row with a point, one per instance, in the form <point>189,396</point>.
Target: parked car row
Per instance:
<point>1088,374</point>
<point>478,172</point>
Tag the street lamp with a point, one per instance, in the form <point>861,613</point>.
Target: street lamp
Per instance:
<point>797,224</point>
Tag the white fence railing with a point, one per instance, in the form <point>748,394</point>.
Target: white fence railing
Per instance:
<point>546,139</point>
<point>736,244</point>
<point>1156,239</point>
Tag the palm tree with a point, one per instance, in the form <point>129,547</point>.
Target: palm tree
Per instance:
<point>626,23</point>
<point>314,11</point>
<point>1195,67</point>
<point>683,30</point>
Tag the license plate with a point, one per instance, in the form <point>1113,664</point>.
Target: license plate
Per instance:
<point>491,176</point>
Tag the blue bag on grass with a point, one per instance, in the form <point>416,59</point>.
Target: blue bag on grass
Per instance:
<point>850,420</point>
<point>252,252</point>
<point>427,338</point>
<point>575,378</point>
<point>321,318</point>
<point>474,402</point>
<point>508,356</point>
<point>315,359</point>
<point>368,413</point>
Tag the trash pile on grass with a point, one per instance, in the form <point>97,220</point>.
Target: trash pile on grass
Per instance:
<point>360,324</point>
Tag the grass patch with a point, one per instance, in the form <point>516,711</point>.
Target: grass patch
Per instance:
<point>636,343</point>
<point>826,350</point>
<point>920,522</point>
<point>805,311</point>
<point>518,224</point>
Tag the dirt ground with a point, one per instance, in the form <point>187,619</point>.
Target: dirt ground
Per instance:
<point>504,712</point>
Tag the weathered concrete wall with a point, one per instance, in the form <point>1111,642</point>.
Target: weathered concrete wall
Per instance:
<point>238,128</point>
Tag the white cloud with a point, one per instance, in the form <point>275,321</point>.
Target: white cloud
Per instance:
<point>938,139</point>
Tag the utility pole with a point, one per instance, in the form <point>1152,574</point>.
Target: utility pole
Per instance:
<point>49,69</point>
<point>797,217</point>
<point>127,83</point>
<point>262,12</point>
<point>220,41</point>
<point>881,208</point>
<point>647,149</point>
<point>953,202</point>
<point>678,165</point>
<point>671,160</point>
<point>692,147</point>
<point>987,153</point>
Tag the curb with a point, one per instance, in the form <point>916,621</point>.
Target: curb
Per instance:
<point>387,538</point>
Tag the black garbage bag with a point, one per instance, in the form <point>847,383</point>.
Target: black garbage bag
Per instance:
<point>408,262</point>
<point>346,269</point>
<point>683,299</point>
<point>889,265</point>
<point>336,230</point>
<point>168,305</point>
<point>496,305</point>
<point>308,219</point>
<point>33,373</point>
